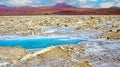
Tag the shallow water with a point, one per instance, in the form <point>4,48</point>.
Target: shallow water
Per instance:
<point>39,42</point>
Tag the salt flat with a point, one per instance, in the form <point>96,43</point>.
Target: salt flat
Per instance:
<point>101,31</point>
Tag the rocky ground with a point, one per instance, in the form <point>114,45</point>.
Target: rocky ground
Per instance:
<point>36,25</point>
<point>101,49</point>
<point>85,54</point>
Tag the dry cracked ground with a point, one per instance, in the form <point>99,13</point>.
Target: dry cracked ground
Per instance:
<point>101,50</point>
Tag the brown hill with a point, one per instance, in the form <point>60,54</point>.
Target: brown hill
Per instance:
<point>52,10</point>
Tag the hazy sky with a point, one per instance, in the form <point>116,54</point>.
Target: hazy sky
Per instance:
<point>76,3</point>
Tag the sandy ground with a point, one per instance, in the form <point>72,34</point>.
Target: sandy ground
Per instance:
<point>101,49</point>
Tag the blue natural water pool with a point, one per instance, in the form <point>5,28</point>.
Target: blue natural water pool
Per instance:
<point>39,42</point>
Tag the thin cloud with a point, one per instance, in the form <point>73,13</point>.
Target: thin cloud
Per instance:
<point>59,1</point>
<point>117,1</point>
<point>118,5</point>
<point>19,2</point>
<point>85,1</point>
<point>71,2</point>
<point>106,5</point>
<point>76,3</point>
<point>93,0</point>
<point>2,3</point>
<point>87,6</point>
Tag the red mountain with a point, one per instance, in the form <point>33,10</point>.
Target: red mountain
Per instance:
<point>58,9</point>
<point>2,6</point>
<point>63,5</point>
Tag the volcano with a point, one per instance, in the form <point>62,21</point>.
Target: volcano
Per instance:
<point>2,6</point>
<point>63,5</point>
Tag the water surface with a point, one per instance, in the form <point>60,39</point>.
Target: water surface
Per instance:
<point>39,42</point>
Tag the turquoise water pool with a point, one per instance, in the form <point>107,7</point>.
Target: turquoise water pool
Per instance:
<point>38,43</point>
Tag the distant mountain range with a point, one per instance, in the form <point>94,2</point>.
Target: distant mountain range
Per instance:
<point>58,9</point>
<point>63,5</point>
<point>2,6</point>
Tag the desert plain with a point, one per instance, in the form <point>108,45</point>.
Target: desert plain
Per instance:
<point>102,48</point>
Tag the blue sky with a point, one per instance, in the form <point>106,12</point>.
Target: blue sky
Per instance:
<point>76,3</point>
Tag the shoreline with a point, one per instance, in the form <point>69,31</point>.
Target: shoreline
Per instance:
<point>101,50</point>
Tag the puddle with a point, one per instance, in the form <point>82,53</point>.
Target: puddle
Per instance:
<point>39,42</point>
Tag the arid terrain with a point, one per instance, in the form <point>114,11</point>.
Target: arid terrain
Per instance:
<point>106,26</point>
<point>100,50</point>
